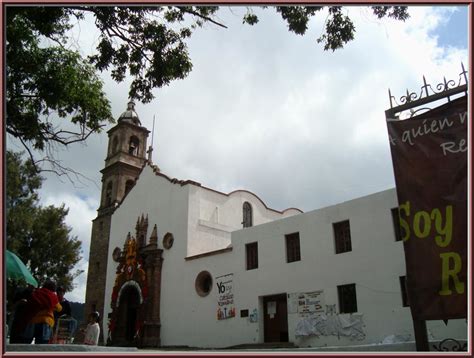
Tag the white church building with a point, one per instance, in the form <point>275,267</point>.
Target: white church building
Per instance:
<point>186,265</point>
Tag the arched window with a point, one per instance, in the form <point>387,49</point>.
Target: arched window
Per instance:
<point>128,186</point>
<point>114,145</point>
<point>108,194</point>
<point>247,214</point>
<point>133,146</point>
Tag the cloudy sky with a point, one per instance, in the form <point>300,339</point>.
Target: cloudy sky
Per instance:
<point>271,112</point>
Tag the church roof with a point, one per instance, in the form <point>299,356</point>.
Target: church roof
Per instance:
<point>130,115</point>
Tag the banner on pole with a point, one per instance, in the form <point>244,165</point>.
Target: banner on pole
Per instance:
<point>429,154</point>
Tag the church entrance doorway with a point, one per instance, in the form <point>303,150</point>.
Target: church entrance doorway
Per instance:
<point>127,317</point>
<point>275,323</point>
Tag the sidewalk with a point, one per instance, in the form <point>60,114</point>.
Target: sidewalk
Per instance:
<point>402,347</point>
<point>247,349</point>
<point>66,348</point>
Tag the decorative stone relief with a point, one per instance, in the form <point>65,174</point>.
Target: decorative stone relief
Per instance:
<point>116,254</point>
<point>168,240</point>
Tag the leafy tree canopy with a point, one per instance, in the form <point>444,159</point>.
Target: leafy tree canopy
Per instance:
<point>37,234</point>
<point>46,80</point>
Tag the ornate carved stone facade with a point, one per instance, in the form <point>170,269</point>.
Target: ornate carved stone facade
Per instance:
<point>135,302</point>
<point>126,156</point>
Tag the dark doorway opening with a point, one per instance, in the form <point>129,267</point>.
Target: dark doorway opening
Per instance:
<point>275,323</point>
<point>127,317</point>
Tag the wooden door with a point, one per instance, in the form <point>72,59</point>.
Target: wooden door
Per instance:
<point>275,324</point>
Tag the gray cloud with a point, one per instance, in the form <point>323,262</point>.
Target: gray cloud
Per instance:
<point>271,112</point>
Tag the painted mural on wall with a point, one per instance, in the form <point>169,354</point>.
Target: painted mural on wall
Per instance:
<point>225,298</point>
<point>129,273</point>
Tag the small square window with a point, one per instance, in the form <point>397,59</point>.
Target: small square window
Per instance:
<point>252,255</point>
<point>342,236</point>
<point>293,247</point>
<point>244,313</point>
<point>403,288</point>
<point>396,224</point>
<point>347,298</point>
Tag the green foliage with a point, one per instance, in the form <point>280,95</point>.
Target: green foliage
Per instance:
<point>21,185</point>
<point>77,311</point>
<point>339,30</point>
<point>44,78</point>
<point>143,42</point>
<point>395,12</point>
<point>250,19</point>
<point>39,235</point>
<point>146,43</point>
<point>51,80</point>
<point>298,17</point>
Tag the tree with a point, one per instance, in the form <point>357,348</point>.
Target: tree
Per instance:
<point>49,83</point>
<point>38,234</point>
<point>146,42</point>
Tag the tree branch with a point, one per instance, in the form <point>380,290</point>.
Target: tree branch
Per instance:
<point>192,12</point>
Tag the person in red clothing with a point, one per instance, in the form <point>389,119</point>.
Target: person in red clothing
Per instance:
<point>43,303</point>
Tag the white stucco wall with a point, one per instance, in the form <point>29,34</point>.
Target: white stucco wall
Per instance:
<point>166,205</point>
<point>214,215</point>
<point>374,265</point>
<point>189,212</point>
<point>201,220</point>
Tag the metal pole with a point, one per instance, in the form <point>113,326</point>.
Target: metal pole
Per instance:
<point>421,335</point>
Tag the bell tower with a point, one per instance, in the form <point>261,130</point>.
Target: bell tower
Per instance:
<point>126,155</point>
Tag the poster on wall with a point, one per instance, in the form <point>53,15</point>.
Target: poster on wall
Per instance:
<point>292,303</point>
<point>225,297</point>
<point>429,154</point>
<point>306,303</point>
<point>310,303</point>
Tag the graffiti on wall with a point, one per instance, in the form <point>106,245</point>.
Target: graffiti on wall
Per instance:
<point>253,318</point>
<point>225,297</point>
<point>332,324</point>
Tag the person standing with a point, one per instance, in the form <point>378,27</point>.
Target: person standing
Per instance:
<point>66,307</point>
<point>66,315</point>
<point>44,302</point>
<point>21,315</point>
<point>92,330</point>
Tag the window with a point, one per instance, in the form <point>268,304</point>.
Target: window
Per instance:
<point>108,194</point>
<point>115,145</point>
<point>247,214</point>
<point>342,236</point>
<point>347,298</point>
<point>128,186</point>
<point>293,247</point>
<point>133,146</point>
<point>403,287</point>
<point>203,283</point>
<point>252,255</point>
<point>396,224</point>
<point>244,313</point>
